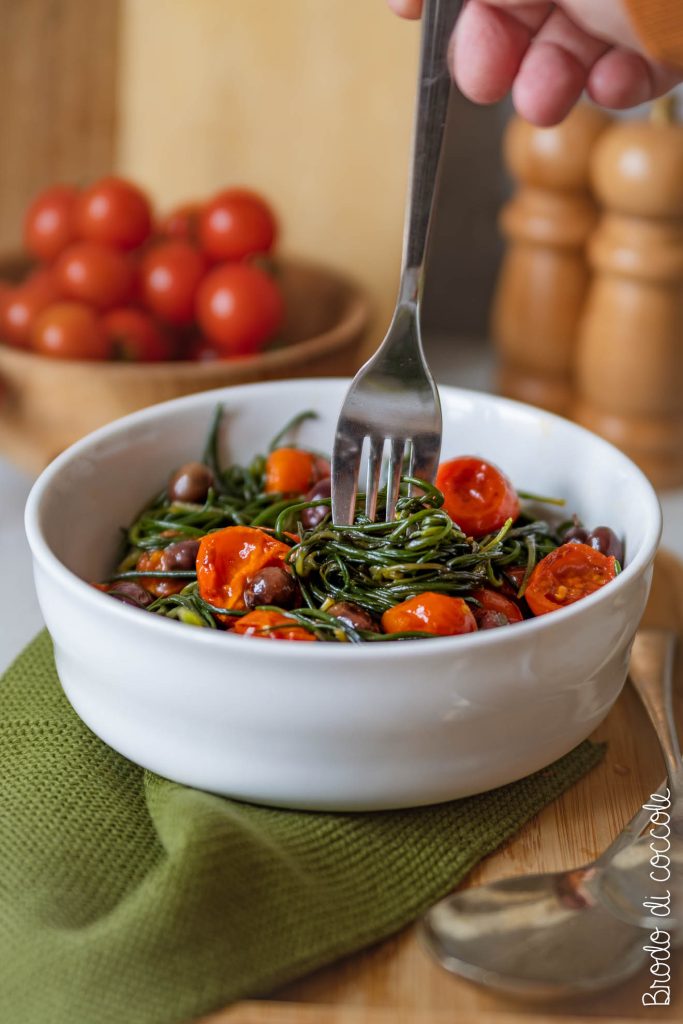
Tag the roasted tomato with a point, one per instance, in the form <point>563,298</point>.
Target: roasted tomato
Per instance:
<point>494,609</point>
<point>272,626</point>
<point>430,613</point>
<point>566,575</point>
<point>477,496</point>
<point>293,471</point>
<point>148,562</point>
<point>228,559</point>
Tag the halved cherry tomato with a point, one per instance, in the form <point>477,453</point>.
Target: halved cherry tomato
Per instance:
<point>239,308</point>
<point>134,336</point>
<point>115,212</point>
<point>228,558</point>
<point>478,497</point>
<point>148,562</point>
<point>21,305</point>
<point>272,626</point>
<point>566,575</point>
<point>96,274</point>
<point>49,222</point>
<point>236,223</point>
<point>495,609</point>
<point>182,223</point>
<point>430,613</point>
<point>70,330</point>
<point>169,277</point>
<point>293,471</point>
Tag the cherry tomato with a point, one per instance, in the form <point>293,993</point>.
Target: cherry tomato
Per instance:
<point>236,223</point>
<point>21,304</point>
<point>566,575</point>
<point>272,626</point>
<point>430,613</point>
<point>292,471</point>
<point>134,336</point>
<point>160,587</point>
<point>478,497</point>
<point>115,212</point>
<point>228,558</point>
<point>96,274</point>
<point>49,222</point>
<point>70,330</point>
<point>495,609</point>
<point>239,308</point>
<point>200,350</point>
<point>169,278</point>
<point>182,223</point>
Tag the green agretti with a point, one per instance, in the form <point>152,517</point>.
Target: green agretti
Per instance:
<point>372,564</point>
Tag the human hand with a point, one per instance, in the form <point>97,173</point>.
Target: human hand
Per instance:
<point>548,53</point>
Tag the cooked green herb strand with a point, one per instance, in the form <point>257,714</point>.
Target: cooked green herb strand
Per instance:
<point>291,426</point>
<point>541,499</point>
<point>373,565</point>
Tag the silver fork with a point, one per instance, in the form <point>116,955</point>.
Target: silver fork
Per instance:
<point>393,397</point>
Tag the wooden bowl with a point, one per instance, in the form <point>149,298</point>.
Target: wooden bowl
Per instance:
<point>47,404</point>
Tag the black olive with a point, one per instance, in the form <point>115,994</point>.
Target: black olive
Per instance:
<point>577,534</point>
<point>271,585</point>
<point>190,483</point>
<point>312,517</point>
<point>181,555</point>
<point>353,615</point>
<point>131,593</point>
<point>605,540</point>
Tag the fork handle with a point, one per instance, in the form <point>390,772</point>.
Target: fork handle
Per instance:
<point>438,19</point>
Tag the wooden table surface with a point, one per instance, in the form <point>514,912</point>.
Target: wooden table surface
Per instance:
<point>396,982</point>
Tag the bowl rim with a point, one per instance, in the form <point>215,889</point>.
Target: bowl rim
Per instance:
<point>523,632</point>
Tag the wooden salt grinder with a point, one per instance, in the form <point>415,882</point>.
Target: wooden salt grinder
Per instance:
<point>630,350</point>
<point>544,276</point>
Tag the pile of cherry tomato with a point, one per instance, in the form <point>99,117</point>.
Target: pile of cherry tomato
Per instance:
<point>109,281</point>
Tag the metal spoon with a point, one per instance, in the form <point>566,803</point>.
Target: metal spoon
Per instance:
<point>650,871</point>
<point>555,935</point>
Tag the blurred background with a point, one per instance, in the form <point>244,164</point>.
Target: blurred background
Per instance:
<point>310,103</point>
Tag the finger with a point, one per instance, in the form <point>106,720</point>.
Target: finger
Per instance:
<point>555,70</point>
<point>406,8</point>
<point>488,47</point>
<point>623,79</point>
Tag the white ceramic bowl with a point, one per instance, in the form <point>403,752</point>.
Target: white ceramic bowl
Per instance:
<point>333,725</point>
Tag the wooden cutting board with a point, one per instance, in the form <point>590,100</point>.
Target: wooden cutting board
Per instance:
<point>396,982</point>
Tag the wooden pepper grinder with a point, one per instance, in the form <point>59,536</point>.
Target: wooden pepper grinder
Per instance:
<point>630,349</point>
<point>544,276</point>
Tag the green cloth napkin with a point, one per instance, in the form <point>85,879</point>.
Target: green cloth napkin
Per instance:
<point>128,898</point>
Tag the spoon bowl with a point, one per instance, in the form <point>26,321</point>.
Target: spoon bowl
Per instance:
<point>543,936</point>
